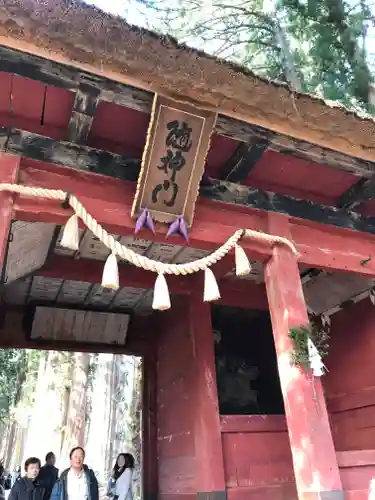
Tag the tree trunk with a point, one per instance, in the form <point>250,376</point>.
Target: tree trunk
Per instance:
<point>75,427</point>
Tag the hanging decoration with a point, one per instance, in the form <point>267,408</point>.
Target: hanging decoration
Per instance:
<point>174,157</point>
<point>178,226</point>
<point>144,221</point>
<point>310,347</point>
<point>70,239</point>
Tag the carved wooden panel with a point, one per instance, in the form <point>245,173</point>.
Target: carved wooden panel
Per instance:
<point>28,248</point>
<point>45,288</point>
<point>189,254</point>
<point>62,250</point>
<point>163,253</point>
<point>17,292</point>
<point>100,296</point>
<point>92,248</point>
<point>74,292</point>
<point>80,326</point>
<point>136,244</point>
<point>128,297</point>
<point>329,290</point>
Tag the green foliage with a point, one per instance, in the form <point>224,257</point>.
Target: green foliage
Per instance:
<point>300,336</point>
<point>317,46</point>
<point>12,363</point>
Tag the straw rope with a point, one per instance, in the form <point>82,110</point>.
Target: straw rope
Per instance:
<point>133,257</point>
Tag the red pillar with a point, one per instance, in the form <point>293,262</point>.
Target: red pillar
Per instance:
<point>314,458</point>
<point>149,426</point>
<point>210,479</point>
<point>9,167</point>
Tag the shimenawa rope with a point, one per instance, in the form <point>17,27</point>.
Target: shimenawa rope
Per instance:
<point>133,257</point>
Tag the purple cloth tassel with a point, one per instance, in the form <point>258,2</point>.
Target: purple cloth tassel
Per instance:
<point>174,228</point>
<point>141,221</point>
<point>178,226</point>
<point>183,229</point>
<point>149,222</point>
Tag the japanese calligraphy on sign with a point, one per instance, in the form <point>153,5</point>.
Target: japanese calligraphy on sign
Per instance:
<point>173,161</point>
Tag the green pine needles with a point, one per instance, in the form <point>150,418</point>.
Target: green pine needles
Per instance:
<point>300,336</point>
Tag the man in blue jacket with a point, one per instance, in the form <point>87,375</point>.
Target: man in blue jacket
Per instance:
<point>78,482</point>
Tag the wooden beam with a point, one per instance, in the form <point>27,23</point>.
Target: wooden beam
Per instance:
<point>13,334</point>
<point>9,170</point>
<point>91,272</point>
<point>81,157</point>
<point>84,107</point>
<point>89,159</point>
<point>209,459</point>
<point>60,75</point>
<point>243,160</point>
<point>362,191</point>
<point>110,200</point>
<point>242,293</point>
<point>244,196</point>
<point>310,436</point>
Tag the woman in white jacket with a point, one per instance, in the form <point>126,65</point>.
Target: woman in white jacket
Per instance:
<point>120,482</point>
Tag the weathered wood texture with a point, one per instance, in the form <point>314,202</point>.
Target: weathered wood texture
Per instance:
<point>351,399</point>
<point>80,157</point>
<point>149,423</point>
<point>343,250</point>
<point>16,324</point>
<point>175,418</point>
<point>68,77</point>
<point>84,107</point>
<point>69,325</point>
<point>257,457</point>
<point>357,469</point>
<point>79,35</point>
<point>113,165</point>
<point>363,190</point>
<point>314,459</point>
<point>244,159</point>
<point>210,477</point>
<point>9,169</point>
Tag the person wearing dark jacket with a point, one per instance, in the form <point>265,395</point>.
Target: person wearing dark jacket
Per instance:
<point>48,474</point>
<point>78,482</point>
<point>28,487</point>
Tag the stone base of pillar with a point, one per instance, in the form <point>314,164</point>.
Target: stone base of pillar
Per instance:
<point>212,495</point>
<point>323,495</point>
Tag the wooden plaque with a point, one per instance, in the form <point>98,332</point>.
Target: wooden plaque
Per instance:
<point>173,161</point>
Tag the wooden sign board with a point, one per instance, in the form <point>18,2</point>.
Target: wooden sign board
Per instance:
<point>79,326</point>
<point>173,160</point>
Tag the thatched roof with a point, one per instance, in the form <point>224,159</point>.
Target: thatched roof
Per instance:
<point>74,33</point>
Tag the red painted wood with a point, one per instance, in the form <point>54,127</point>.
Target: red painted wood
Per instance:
<point>284,491</point>
<point>306,414</point>
<point>175,422</point>
<point>207,433</point>
<point>232,292</point>
<point>12,335</point>
<point>286,174</point>
<point>339,249</point>
<point>257,458</point>
<point>349,384</point>
<point>58,107</point>
<point>149,424</point>
<point>9,168</point>
<point>27,98</point>
<point>356,458</point>
<point>253,423</point>
<point>5,92</point>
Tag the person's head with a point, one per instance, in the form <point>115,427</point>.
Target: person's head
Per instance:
<point>18,468</point>
<point>32,467</point>
<point>123,461</point>
<point>50,458</point>
<point>77,457</point>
